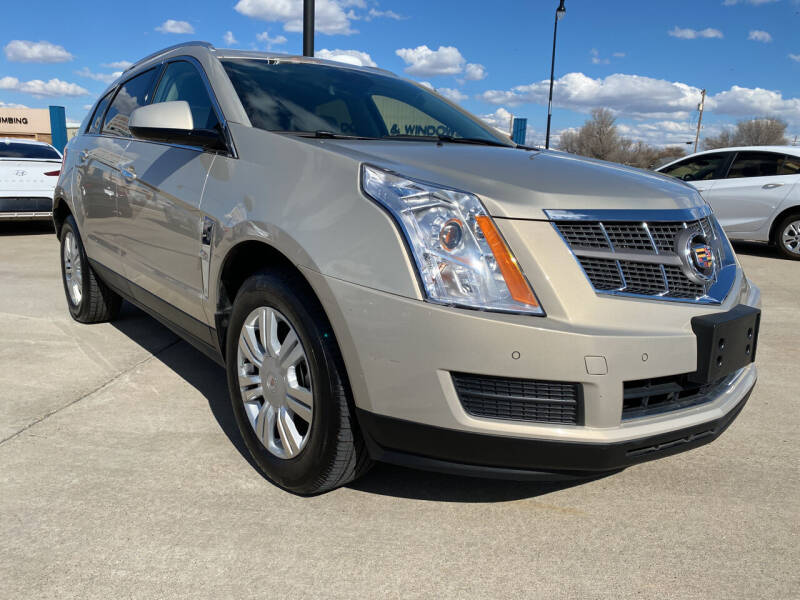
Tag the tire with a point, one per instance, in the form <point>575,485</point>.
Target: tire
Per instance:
<point>88,298</point>
<point>303,451</point>
<point>787,236</point>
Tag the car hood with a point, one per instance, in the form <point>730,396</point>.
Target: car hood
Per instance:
<point>521,184</point>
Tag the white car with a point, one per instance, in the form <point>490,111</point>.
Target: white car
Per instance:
<point>28,175</point>
<point>753,190</point>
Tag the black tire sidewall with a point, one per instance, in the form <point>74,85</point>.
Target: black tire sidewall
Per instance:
<point>303,473</point>
<point>779,236</point>
<point>76,310</point>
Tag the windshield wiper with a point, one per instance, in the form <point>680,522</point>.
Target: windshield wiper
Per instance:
<point>324,134</point>
<point>447,138</point>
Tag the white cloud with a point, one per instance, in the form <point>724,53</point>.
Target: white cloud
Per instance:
<point>645,97</point>
<point>618,55</point>
<point>331,16</point>
<point>104,77</point>
<point>426,84</point>
<point>37,87</point>
<point>691,34</point>
<point>173,26</point>
<point>499,119</point>
<point>387,14</point>
<point>118,64</point>
<point>629,94</point>
<point>350,57</point>
<point>474,72</point>
<point>758,35</point>
<point>596,60</point>
<point>229,39</point>
<point>271,41</point>
<point>11,105</point>
<point>795,57</point>
<point>753,2</point>
<point>447,60</point>
<point>35,52</point>
<point>452,94</point>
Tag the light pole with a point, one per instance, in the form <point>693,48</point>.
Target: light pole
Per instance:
<point>560,12</point>
<point>308,28</point>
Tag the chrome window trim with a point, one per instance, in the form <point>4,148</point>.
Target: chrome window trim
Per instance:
<point>715,294</point>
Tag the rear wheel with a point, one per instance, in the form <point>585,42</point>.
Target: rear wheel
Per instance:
<point>787,236</point>
<point>289,388</point>
<point>89,299</point>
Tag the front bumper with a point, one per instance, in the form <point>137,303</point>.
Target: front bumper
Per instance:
<point>456,452</point>
<point>400,354</point>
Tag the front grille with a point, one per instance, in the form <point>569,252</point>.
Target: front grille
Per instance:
<point>520,399</point>
<point>646,397</point>
<point>635,257</point>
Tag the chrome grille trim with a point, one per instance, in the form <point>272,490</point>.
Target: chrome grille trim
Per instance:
<point>633,253</point>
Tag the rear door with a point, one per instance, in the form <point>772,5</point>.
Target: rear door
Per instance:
<point>755,185</point>
<point>161,189</point>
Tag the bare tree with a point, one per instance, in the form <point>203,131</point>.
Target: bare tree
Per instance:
<point>753,132</point>
<point>599,138</point>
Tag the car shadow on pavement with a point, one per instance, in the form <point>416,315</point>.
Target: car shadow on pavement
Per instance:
<point>757,249</point>
<point>208,378</point>
<point>194,367</point>
<point>400,482</point>
<point>8,228</point>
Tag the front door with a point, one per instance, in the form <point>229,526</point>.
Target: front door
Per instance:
<point>162,189</point>
<point>752,191</point>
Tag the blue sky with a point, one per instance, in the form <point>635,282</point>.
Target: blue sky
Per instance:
<point>645,60</point>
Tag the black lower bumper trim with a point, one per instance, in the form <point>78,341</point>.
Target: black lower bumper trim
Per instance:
<point>447,450</point>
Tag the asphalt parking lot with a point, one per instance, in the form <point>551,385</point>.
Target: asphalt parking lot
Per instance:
<point>122,474</point>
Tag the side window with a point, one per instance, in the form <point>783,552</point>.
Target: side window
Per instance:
<point>97,118</point>
<point>403,119</point>
<point>132,95</point>
<point>182,81</point>
<point>698,168</point>
<point>755,164</point>
<point>790,166</point>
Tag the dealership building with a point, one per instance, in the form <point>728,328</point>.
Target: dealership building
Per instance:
<point>40,124</point>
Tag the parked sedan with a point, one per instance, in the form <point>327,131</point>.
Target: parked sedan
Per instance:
<point>28,175</point>
<point>753,190</point>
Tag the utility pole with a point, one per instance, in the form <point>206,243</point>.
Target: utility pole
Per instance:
<point>308,27</point>
<point>700,107</point>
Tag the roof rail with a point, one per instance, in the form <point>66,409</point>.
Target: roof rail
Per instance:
<point>165,50</point>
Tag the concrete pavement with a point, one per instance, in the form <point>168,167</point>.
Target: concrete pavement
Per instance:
<point>122,475</point>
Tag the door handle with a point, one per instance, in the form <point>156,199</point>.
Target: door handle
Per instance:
<point>771,186</point>
<point>84,156</point>
<point>128,173</point>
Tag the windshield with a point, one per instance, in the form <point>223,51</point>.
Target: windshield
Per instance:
<point>306,97</point>
<point>19,150</point>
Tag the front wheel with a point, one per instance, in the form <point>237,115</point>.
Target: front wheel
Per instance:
<point>289,388</point>
<point>787,236</point>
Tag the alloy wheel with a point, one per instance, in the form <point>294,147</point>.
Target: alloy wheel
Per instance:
<point>275,382</point>
<point>73,275</point>
<point>791,237</point>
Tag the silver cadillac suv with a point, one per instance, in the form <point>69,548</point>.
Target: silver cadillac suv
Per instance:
<point>384,277</point>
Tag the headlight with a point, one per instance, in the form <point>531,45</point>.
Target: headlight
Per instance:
<point>461,256</point>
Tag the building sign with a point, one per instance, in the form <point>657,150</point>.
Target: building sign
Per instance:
<point>26,121</point>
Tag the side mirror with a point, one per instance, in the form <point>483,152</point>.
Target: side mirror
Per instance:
<point>172,122</point>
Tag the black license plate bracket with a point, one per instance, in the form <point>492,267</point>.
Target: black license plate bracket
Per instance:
<point>726,342</point>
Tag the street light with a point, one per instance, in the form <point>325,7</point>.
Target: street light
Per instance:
<point>560,12</point>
